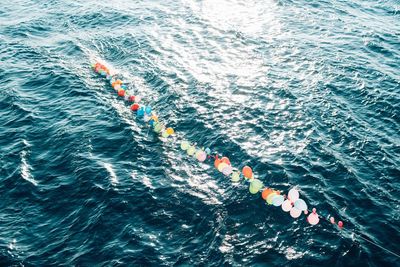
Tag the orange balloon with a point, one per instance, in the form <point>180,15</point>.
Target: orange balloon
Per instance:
<point>226,160</point>
<point>247,172</point>
<point>266,192</point>
<point>118,82</point>
<point>217,162</point>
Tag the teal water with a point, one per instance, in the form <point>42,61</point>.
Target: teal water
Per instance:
<point>306,92</point>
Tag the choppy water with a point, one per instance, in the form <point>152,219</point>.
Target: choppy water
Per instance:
<point>306,92</point>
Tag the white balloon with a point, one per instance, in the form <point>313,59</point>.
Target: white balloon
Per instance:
<point>313,219</point>
<point>293,195</point>
<point>295,213</point>
<point>300,204</point>
<point>286,205</point>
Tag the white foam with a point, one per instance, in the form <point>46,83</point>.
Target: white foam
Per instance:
<point>26,168</point>
<point>113,176</point>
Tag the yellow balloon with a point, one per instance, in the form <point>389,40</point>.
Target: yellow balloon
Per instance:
<point>221,166</point>
<point>170,130</point>
<point>270,196</point>
<point>191,151</point>
<point>235,177</point>
<point>154,117</point>
<point>165,134</point>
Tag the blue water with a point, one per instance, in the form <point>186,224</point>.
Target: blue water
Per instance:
<point>305,92</point>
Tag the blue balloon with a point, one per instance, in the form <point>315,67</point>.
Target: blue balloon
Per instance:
<point>140,112</point>
<point>124,86</point>
<point>208,151</point>
<point>151,122</point>
<point>148,110</point>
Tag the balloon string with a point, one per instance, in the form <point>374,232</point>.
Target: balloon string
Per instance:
<point>376,244</point>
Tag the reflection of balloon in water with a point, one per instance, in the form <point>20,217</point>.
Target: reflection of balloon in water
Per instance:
<point>300,204</point>
<point>191,150</point>
<point>270,197</point>
<point>266,192</point>
<point>286,205</point>
<point>295,213</point>
<point>247,172</point>
<point>221,166</point>
<point>313,218</point>
<point>201,155</point>
<point>227,170</point>
<point>235,177</point>
<point>185,145</point>
<point>277,200</point>
<point>293,195</point>
<point>226,160</point>
<point>257,184</point>
<point>170,130</point>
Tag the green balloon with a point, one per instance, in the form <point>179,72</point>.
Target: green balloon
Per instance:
<point>191,151</point>
<point>165,134</point>
<point>185,145</point>
<point>235,177</point>
<point>257,184</point>
<point>158,128</point>
<point>253,190</point>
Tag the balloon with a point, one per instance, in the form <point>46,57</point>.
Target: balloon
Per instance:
<point>121,92</point>
<point>286,205</point>
<point>293,195</point>
<point>340,224</point>
<point>226,160</point>
<point>124,86</point>
<point>253,190</point>
<point>157,127</point>
<point>132,98</point>
<point>235,177</point>
<point>165,134</point>
<point>256,184</point>
<point>138,98</point>
<point>247,172</point>
<point>201,155</point>
<point>151,122</point>
<point>148,110</point>
<point>117,87</point>
<point>135,107</point>
<point>126,97</point>
<point>140,112</point>
<point>221,166</point>
<point>313,218</point>
<point>170,130</point>
<point>208,151</point>
<point>332,220</point>
<point>227,170</point>
<point>185,145</point>
<point>277,200</point>
<point>295,213</point>
<point>217,161</point>
<point>270,197</point>
<point>300,204</point>
<point>266,192</point>
<point>146,118</point>
<point>191,150</point>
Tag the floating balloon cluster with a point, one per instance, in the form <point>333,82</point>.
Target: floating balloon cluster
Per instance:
<point>291,203</point>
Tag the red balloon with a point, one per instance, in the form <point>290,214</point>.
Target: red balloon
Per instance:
<point>121,92</point>
<point>340,224</point>
<point>135,107</point>
<point>132,98</point>
<point>217,162</point>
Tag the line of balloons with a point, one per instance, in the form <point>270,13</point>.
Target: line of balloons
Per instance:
<point>291,203</point>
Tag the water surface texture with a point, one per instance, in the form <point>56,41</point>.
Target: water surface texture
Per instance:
<point>305,92</point>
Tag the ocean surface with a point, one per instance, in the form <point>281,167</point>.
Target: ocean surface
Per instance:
<point>305,92</point>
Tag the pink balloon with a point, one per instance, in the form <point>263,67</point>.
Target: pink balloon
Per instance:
<point>227,170</point>
<point>313,218</point>
<point>201,156</point>
<point>332,220</point>
<point>286,205</point>
<point>293,195</point>
<point>295,213</point>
